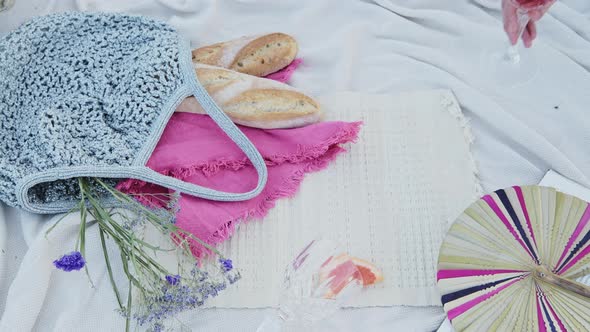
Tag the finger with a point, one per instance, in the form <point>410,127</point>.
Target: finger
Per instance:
<point>510,21</point>
<point>532,29</point>
<point>529,35</point>
<point>526,39</point>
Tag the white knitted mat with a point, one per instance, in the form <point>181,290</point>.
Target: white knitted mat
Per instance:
<point>389,200</point>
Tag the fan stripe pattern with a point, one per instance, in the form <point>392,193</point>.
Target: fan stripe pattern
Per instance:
<point>506,259</point>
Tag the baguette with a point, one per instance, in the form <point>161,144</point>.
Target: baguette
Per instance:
<point>252,101</point>
<point>256,55</point>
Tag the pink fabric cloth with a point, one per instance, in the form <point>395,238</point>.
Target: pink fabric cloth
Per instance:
<point>284,75</point>
<point>194,149</point>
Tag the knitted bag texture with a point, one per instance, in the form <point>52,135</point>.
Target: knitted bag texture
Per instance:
<point>88,95</point>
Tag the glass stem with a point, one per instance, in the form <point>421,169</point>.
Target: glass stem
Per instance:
<point>512,54</point>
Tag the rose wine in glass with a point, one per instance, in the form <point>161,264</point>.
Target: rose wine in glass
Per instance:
<point>514,64</point>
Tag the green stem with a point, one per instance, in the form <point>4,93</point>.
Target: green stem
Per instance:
<point>131,236</point>
<point>131,278</point>
<point>60,219</point>
<point>83,215</point>
<point>131,247</point>
<point>109,268</point>
<point>129,303</point>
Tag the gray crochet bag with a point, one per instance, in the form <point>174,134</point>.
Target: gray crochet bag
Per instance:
<point>88,95</point>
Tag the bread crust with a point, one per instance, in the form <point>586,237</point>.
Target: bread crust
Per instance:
<point>253,101</point>
<point>253,55</point>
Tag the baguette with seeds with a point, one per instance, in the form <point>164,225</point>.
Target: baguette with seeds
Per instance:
<point>252,101</point>
<point>255,55</point>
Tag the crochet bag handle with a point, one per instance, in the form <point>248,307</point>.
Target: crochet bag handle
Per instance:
<point>224,122</point>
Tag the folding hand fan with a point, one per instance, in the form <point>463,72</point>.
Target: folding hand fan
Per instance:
<point>509,262</point>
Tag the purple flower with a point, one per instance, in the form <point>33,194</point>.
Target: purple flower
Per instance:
<point>173,280</point>
<point>158,327</point>
<point>70,262</point>
<point>226,264</point>
<point>176,294</point>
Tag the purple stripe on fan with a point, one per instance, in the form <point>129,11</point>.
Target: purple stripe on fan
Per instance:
<point>519,227</point>
<point>549,319</point>
<point>573,262</point>
<point>561,326</point>
<point>583,222</point>
<point>520,196</point>
<point>579,246</point>
<point>492,204</point>
<point>446,274</point>
<point>540,319</point>
<point>459,310</point>
<point>446,298</point>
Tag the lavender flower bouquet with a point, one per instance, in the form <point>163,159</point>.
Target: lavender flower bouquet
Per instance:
<point>154,292</point>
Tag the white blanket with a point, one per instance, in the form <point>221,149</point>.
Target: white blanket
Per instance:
<point>372,46</point>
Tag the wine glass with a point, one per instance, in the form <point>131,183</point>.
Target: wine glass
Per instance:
<point>514,65</point>
<point>320,280</point>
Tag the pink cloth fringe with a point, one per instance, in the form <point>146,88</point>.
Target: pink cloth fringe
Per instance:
<point>193,149</point>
